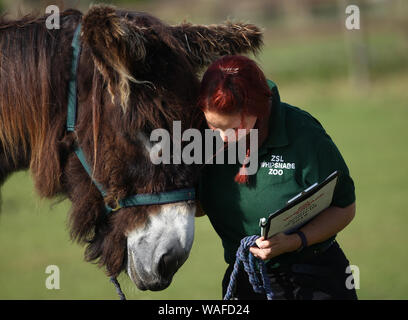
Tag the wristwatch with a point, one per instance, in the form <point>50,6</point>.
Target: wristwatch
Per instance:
<point>303,238</point>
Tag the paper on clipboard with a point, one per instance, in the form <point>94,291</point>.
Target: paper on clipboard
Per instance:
<point>301,208</point>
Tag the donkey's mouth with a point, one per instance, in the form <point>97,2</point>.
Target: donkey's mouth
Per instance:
<point>131,270</point>
<point>152,284</point>
<point>157,250</point>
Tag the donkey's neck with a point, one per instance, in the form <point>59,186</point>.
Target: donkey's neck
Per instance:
<point>34,72</point>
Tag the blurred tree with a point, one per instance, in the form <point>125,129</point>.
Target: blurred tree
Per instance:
<point>118,2</point>
<point>64,4</point>
<point>60,3</point>
<point>325,9</point>
<point>297,12</point>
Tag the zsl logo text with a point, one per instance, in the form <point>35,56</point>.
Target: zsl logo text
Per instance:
<point>276,165</point>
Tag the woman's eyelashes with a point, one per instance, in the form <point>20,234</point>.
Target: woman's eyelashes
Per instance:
<point>215,128</point>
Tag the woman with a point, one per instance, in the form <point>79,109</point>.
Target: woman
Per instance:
<point>308,264</point>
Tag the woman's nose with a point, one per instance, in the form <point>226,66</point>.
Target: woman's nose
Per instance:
<point>223,136</point>
<point>227,135</point>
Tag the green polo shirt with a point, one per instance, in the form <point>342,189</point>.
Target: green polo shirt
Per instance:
<point>297,153</point>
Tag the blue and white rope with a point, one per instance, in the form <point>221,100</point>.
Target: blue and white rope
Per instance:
<point>118,289</point>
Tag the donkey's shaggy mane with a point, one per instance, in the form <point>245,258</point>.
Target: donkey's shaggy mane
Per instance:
<point>34,70</point>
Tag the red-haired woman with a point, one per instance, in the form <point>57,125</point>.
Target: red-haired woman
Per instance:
<point>294,152</point>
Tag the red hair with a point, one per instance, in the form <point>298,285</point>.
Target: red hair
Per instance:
<point>235,84</point>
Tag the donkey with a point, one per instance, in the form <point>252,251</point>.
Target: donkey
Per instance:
<point>133,74</point>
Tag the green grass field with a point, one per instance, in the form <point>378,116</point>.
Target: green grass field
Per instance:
<point>367,124</point>
<point>369,128</point>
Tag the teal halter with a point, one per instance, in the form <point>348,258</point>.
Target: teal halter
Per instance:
<point>135,200</point>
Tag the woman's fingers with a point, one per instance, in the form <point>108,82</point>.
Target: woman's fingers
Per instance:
<point>259,241</point>
<point>269,248</point>
<point>264,244</point>
<point>262,254</point>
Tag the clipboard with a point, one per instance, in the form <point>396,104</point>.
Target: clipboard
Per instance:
<point>301,208</point>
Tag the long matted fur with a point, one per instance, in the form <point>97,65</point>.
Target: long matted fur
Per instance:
<point>136,74</point>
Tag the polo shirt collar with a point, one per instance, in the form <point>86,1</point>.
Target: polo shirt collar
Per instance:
<point>277,136</point>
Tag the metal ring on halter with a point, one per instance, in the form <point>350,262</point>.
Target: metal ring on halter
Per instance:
<point>118,205</point>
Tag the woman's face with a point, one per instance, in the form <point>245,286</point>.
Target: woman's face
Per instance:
<point>222,122</point>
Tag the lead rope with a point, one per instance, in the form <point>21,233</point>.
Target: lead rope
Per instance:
<point>118,289</point>
<point>251,266</point>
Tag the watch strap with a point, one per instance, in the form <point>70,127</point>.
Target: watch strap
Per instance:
<point>303,239</point>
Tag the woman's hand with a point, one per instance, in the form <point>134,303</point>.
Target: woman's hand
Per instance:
<point>320,228</point>
<point>275,246</point>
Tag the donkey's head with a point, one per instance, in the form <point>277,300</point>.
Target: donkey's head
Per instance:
<point>137,74</point>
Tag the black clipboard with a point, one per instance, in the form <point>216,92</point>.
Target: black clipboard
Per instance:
<point>293,208</point>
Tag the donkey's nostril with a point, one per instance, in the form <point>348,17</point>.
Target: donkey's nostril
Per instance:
<point>168,265</point>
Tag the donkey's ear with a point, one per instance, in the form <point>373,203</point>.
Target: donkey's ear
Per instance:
<point>115,44</point>
<point>204,44</point>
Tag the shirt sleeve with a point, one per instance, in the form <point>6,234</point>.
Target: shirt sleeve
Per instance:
<point>327,160</point>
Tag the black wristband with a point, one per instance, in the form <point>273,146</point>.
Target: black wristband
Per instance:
<point>303,238</point>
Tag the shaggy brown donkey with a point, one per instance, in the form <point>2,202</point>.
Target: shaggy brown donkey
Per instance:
<point>135,74</point>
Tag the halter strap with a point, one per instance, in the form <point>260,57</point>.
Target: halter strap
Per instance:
<point>135,200</point>
<point>72,86</point>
